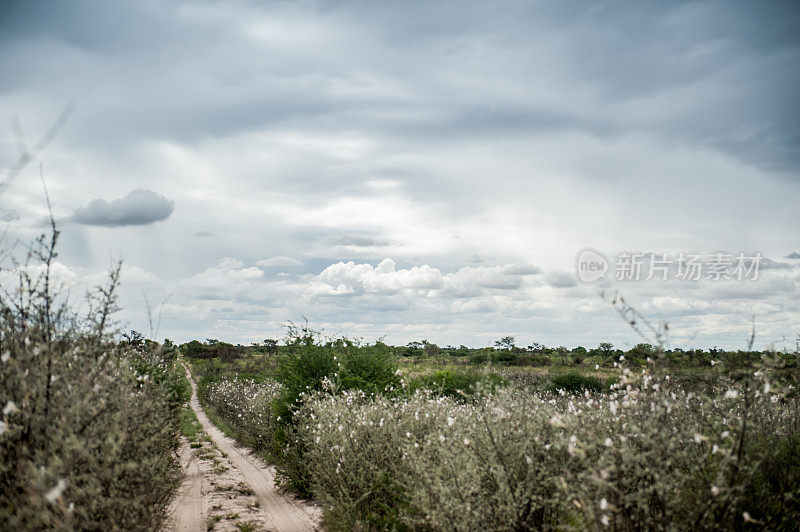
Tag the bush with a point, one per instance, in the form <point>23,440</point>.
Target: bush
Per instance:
<point>455,383</point>
<point>504,356</point>
<point>261,414</point>
<point>368,368</point>
<point>89,426</point>
<point>648,455</point>
<point>574,382</point>
<point>478,358</point>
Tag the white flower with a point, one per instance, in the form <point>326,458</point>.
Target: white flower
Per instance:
<point>603,504</point>
<point>528,460</point>
<point>450,421</point>
<point>714,491</point>
<point>731,394</point>
<point>441,438</point>
<point>698,438</point>
<point>466,441</point>
<point>10,407</point>
<point>5,356</point>
<point>725,434</point>
<point>767,387</point>
<point>609,442</point>
<point>408,434</point>
<point>604,520</point>
<point>57,490</point>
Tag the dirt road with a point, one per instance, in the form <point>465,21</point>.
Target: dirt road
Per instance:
<point>226,487</point>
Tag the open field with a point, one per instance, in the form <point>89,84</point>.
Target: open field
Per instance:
<point>439,443</point>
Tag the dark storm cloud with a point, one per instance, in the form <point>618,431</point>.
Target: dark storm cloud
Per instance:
<point>138,207</point>
<point>721,75</point>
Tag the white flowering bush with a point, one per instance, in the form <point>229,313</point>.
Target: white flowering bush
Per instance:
<point>649,451</point>
<point>88,427</point>
<point>245,406</point>
<point>647,455</point>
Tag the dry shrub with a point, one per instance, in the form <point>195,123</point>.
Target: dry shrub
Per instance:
<point>88,428</point>
<point>647,455</point>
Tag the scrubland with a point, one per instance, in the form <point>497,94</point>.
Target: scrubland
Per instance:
<point>624,443</point>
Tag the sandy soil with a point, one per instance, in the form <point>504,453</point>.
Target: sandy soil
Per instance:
<point>226,487</point>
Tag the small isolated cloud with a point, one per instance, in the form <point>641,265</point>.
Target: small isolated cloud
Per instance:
<point>278,261</point>
<point>138,207</point>
<point>203,234</point>
<point>792,256</point>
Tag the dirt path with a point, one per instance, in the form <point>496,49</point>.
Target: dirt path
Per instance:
<point>228,488</point>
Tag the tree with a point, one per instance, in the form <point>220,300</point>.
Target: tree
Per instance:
<point>506,342</point>
<point>272,346</point>
<point>431,349</point>
<point>133,339</point>
<point>606,348</point>
<point>536,347</point>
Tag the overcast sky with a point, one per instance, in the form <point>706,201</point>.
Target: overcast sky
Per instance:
<point>411,169</point>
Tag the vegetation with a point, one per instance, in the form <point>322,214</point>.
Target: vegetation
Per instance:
<point>644,438</point>
<point>89,425</point>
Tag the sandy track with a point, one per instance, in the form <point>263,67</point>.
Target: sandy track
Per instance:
<point>236,483</point>
<point>189,510</point>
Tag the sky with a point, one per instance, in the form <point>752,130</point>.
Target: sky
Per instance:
<point>412,170</point>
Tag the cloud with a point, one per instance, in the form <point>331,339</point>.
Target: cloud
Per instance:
<point>278,261</point>
<point>769,264</point>
<point>792,256</point>
<point>354,133</point>
<point>8,216</point>
<point>357,241</point>
<point>561,279</point>
<point>138,207</point>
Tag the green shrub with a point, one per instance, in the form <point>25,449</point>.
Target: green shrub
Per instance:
<point>504,356</point>
<point>772,493</point>
<point>478,358</point>
<point>369,368</point>
<point>456,383</point>
<point>574,382</point>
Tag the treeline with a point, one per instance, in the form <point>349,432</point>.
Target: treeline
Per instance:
<point>506,352</point>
